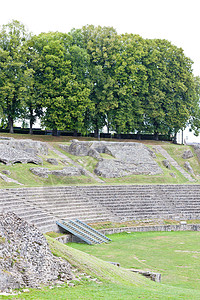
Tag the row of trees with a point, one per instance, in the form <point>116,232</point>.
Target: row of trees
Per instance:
<point>92,77</point>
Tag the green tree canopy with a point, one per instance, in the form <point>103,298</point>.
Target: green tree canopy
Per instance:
<point>170,96</point>
<point>92,77</point>
<point>101,44</point>
<point>64,99</point>
<point>12,37</point>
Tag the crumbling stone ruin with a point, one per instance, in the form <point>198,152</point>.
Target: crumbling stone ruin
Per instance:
<point>67,171</point>
<point>27,145</point>
<point>21,151</point>
<point>125,158</point>
<point>10,156</point>
<point>26,260</point>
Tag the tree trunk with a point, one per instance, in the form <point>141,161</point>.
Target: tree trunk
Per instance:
<point>156,136</point>
<point>31,121</point>
<point>175,138</point>
<point>139,136</point>
<point>10,125</point>
<point>96,132</point>
<point>108,129</point>
<point>31,127</point>
<point>75,133</point>
<point>55,132</point>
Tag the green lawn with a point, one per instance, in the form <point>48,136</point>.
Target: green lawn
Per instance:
<point>174,254</point>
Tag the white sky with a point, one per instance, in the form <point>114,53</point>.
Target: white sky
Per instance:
<point>175,20</point>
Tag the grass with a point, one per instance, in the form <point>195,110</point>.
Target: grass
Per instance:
<point>53,234</point>
<point>67,139</point>
<point>173,254</point>
<point>176,151</point>
<point>2,240</point>
<point>21,173</point>
<point>117,282</point>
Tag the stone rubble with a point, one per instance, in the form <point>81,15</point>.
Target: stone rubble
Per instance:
<point>52,161</point>
<point>6,172</point>
<point>26,260</point>
<point>67,171</point>
<point>166,164</point>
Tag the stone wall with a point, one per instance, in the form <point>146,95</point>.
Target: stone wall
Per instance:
<point>179,227</point>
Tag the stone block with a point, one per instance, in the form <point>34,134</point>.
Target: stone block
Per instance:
<point>188,167</point>
<point>166,164</point>
<point>52,161</point>
<point>187,154</point>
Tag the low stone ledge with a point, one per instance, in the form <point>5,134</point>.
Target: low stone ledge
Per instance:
<point>181,227</point>
<point>188,167</point>
<point>8,179</point>
<point>148,274</point>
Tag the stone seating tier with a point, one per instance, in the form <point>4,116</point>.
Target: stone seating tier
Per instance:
<point>93,204</point>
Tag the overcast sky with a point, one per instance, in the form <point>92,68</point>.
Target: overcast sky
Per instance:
<point>175,20</point>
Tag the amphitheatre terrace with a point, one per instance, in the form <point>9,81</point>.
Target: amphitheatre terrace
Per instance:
<point>105,186</point>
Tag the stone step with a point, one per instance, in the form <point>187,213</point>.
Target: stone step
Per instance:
<point>42,206</point>
<point>32,212</point>
<point>98,188</point>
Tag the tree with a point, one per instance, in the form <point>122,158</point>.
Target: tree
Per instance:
<point>101,44</point>
<point>170,96</point>
<point>31,106</point>
<point>12,37</point>
<point>131,81</point>
<point>64,99</point>
<point>194,120</point>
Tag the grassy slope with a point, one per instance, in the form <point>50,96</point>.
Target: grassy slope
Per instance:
<point>23,175</point>
<point>117,283</point>
<point>177,151</point>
